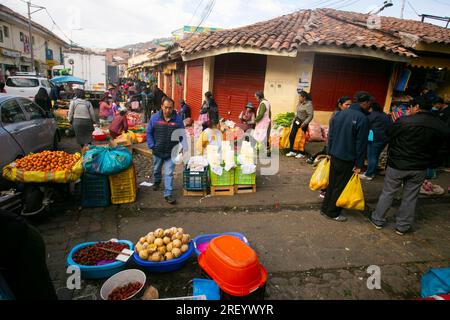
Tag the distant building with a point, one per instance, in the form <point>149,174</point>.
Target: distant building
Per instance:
<point>15,45</point>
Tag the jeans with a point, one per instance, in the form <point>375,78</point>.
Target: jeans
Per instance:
<point>169,168</point>
<point>374,150</point>
<point>412,181</point>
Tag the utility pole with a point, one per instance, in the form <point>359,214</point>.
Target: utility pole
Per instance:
<point>31,37</point>
<point>403,9</point>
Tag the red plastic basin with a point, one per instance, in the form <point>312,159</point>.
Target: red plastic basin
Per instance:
<point>233,265</point>
<point>100,137</point>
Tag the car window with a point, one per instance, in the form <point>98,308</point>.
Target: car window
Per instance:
<point>12,112</point>
<point>22,82</point>
<point>33,109</point>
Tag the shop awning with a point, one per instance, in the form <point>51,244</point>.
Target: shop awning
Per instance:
<point>431,62</point>
<point>67,79</point>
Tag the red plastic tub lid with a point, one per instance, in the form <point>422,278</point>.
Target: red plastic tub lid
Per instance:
<point>233,251</point>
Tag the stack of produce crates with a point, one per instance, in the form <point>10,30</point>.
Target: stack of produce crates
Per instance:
<point>95,191</point>
<point>195,183</point>
<point>123,187</point>
<point>244,183</point>
<point>222,185</point>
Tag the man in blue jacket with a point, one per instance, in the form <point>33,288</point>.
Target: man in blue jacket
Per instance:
<point>165,131</point>
<point>347,145</point>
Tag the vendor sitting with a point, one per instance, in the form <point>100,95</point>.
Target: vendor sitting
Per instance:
<point>119,124</point>
<point>247,118</point>
<point>211,135</point>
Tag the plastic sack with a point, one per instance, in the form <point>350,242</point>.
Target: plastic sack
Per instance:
<point>11,173</point>
<point>435,281</point>
<point>300,141</point>
<point>107,161</point>
<point>320,178</point>
<point>315,132</point>
<point>284,140</point>
<point>353,196</point>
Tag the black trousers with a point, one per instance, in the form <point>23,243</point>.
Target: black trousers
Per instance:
<point>340,174</point>
<point>293,134</point>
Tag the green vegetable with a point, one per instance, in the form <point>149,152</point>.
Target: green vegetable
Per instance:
<point>284,120</point>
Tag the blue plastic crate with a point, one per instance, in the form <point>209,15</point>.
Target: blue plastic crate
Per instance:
<point>95,191</point>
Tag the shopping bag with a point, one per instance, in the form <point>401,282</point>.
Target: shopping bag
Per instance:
<point>107,161</point>
<point>320,178</point>
<point>352,197</point>
<point>300,141</point>
<point>284,140</point>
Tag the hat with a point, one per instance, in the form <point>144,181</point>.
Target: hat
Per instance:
<point>250,105</point>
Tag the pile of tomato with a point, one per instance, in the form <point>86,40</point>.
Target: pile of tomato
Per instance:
<point>48,161</point>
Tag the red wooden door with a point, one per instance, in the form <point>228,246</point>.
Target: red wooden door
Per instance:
<point>194,87</point>
<point>237,77</point>
<point>168,85</point>
<point>335,76</point>
<point>179,88</point>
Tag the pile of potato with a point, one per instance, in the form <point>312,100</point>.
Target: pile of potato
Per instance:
<point>163,245</point>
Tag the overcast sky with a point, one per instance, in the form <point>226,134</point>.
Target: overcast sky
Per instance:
<point>115,23</point>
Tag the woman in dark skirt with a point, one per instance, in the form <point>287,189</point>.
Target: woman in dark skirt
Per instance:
<point>82,117</point>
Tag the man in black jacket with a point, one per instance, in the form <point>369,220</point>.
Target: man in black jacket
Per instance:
<point>347,145</point>
<point>414,145</point>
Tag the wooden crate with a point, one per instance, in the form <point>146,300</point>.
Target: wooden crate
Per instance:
<point>187,193</point>
<point>245,189</point>
<point>222,191</point>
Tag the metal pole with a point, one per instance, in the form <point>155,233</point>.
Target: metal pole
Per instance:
<point>403,9</point>
<point>31,37</point>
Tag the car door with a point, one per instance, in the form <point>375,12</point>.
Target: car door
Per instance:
<point>22,87</point>
<point>44,128</point>
<point>17,125</point>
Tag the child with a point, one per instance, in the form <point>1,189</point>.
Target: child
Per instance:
<point>119,124</point>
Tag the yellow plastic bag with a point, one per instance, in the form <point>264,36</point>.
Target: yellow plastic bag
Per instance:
<point>284,140</point>
<point>300,141</point>
<point>353,196</point>
<point>321,176</point>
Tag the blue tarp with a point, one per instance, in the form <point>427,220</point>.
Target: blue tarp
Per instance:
<point>67,79</point>
<point>436,281</point>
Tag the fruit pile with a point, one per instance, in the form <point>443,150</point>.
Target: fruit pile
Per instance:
<point>126,291</point>
<point>92,255</point>
<point>48,161</point>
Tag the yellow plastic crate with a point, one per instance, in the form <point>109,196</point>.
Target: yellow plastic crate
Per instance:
<point>123,187</point>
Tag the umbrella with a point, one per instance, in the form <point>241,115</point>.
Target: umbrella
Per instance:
<point>67,79</point>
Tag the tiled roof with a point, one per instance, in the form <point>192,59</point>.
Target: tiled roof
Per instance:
<point>322,27</point>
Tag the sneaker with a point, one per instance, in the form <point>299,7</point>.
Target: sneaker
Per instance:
<point>170,200</point>
<point>156,186</point>
<point>310,161</point>
<point>300,156</point>
<point>364,177</point>
<point>322,194</point>
<point>402,233</point>
<point>377,226</point>
<point>291,154</point>
<point>340,219</point>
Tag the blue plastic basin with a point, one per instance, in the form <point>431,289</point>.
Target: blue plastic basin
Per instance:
<point>206,238</point>
<point>97,272</point>
<point>165,266</point>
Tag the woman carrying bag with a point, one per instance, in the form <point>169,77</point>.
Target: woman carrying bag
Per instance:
<point>305,114</point>
<point>82,117</point>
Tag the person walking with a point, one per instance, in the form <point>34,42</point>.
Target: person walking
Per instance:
<point>347,146</point>
<point>209,110</point>
<point>305,114</point>
<point>379,124</point>
<point>147,103</point>
<point>82,117</point>
<point>161,128</point>
<point>414,144</point>
<point>42,99</point>
<point>158,96</point>
<point>263,121</point>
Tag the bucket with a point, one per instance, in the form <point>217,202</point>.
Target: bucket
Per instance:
<point>121,279</point>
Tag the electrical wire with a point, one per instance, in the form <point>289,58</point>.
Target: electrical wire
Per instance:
<point>207,13</point>
<point>409,3</point>
<point>195,12</point>
<point>348,4</point>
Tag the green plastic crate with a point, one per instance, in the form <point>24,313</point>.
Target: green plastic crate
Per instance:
<point>241,179</point>
<point>225,180</point>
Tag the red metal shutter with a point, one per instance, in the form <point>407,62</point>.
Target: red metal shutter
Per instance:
<point>336,76</point>
<point>179,89</point>
<point>237,77</point>
<point>194,94</point>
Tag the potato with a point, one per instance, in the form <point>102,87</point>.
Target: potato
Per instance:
<point>142,240</point>
<point>151,294</point>
<point>151,239</point>
<point>176,252</point>
<point>174,230</point>
<point>151,234</point>
<point>177,244</point>
<point>166,240</point>
<point>152,248</point>
<point>186,239</point>
<point>145,245</point>
<point>162,250</point>
<point>168,233</point>
<point>138,247</point>
<point>184,248</point>
<point>179,235</point>
<point>159,242</point>
<point>143,255</point>
<point>180,230</point>
<point>169,256</point>
<point>156,257</point>
<point>159,233</point>
<point>169,247</point>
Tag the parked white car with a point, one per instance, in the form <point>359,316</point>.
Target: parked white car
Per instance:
<point>26,86</point>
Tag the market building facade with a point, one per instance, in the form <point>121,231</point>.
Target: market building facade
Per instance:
<point>15,45</point>
<point>326,52</point>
